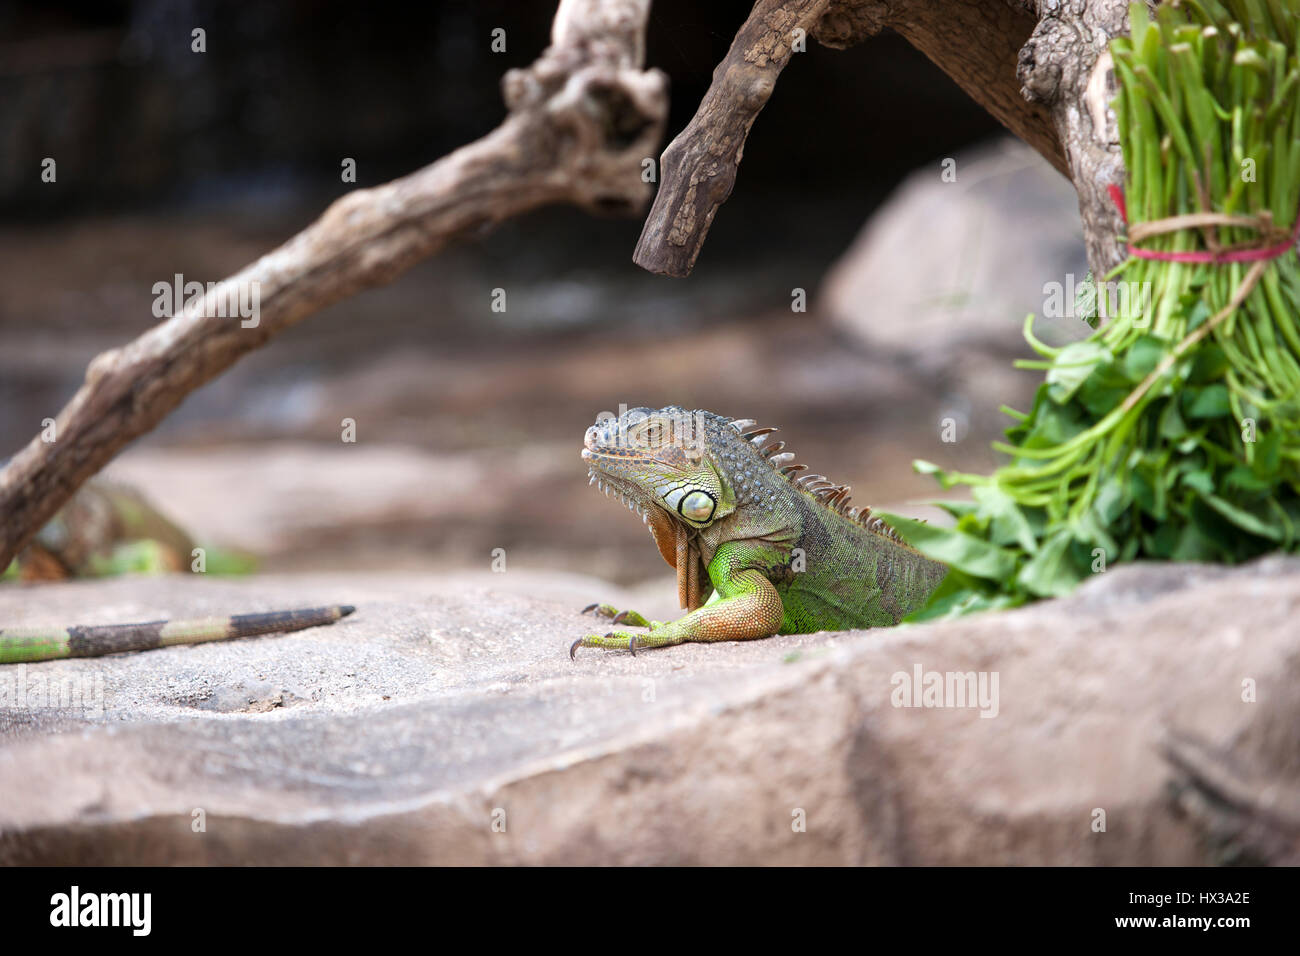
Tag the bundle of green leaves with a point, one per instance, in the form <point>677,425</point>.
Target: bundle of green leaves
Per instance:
<point>1173,431</point>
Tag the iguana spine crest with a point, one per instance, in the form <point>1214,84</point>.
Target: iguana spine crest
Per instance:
<point>833,496</point>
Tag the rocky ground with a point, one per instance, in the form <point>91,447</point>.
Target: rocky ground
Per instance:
<point>445,723</point>
<point>1148,720</point>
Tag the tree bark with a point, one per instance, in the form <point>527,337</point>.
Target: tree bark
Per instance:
<point>699,166</point>
<point>976,43</point>
<point>1066,67</point>
<point>1039,66</point>
<point>582,119</point>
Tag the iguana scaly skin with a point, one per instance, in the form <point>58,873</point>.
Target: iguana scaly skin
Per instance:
<point>27,645</point>
<point>782,553</point>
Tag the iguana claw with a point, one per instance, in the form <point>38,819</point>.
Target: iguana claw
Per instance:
<point>597,640</point>
<point>615,616</point>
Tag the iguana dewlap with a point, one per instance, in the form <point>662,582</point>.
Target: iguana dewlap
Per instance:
<point>781,552</point>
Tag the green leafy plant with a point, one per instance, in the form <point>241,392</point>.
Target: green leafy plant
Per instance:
<point>1173,431</point>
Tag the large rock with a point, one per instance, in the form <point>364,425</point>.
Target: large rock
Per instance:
<point>445,706</point>
<point>941,277</point>
<point>945,265</point>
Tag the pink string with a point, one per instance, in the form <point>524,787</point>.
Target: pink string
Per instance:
<point>1241,255</point>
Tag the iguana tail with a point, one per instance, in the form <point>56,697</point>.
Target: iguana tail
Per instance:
<point>26,645</point>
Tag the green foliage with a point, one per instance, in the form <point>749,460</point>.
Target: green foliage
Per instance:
<point>1173,431</point>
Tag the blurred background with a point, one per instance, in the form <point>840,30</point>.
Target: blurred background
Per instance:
<point>469,421</point>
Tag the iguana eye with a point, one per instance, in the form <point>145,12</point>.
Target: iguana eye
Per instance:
<point>652,435</point>
<point>698,506</point>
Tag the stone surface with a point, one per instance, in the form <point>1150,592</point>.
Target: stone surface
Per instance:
<point>445,704</point>
<point>944,264</point>
<point>941,277</point>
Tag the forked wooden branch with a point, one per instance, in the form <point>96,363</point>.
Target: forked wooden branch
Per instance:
<point>1038,66</point>
<point>698,168</point>
<point>977,44</point>
<point>582,119</point>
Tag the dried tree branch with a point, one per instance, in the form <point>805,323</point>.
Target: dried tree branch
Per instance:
<point>698,168</point>
<point>1039,66</point>
<point>1066,68</point>
<point>582,119</point>
<point>976,44</point>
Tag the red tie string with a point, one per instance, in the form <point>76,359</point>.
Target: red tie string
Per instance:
<point>1233,255</point>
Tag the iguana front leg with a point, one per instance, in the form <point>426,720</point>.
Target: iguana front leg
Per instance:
<point>677,549</point>
<point>747,606</point>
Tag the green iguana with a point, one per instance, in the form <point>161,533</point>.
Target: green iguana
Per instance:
<point>782,552</point>
<point>27,645</point>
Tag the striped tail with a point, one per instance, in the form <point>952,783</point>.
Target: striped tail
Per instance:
<point>27,645</point>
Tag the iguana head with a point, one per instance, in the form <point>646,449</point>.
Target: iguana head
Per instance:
<point>666,459</point>
<point>697,468</point>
